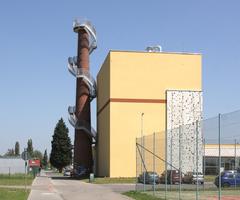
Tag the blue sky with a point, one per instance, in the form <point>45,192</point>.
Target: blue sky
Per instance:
<point>36,38</point>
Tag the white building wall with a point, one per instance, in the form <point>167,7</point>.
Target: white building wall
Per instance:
<point>225,151</point>
<point>12,165</point>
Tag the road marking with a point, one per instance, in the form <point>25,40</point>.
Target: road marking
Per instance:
<point>47,193</point>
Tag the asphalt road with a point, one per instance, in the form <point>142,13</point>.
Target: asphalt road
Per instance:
<point>60,188</point>
<point>56,187</point>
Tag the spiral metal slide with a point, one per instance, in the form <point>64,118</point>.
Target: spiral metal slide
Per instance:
<point>86,77</point>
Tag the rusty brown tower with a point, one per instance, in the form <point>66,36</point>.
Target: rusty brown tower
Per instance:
<point>80,114</point>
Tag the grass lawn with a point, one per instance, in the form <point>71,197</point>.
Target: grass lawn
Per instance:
<point>13,194</point>
<point>15,179</point>
<point>106,180</point>
<point>209,178</point>
<point>202,195</point>
<point>141,196</point>
<point>186,195</point>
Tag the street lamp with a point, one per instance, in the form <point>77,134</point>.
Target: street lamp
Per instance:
<point>142,114</point>
<point>143,160</point>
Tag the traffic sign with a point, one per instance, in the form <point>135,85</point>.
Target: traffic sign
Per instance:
<point>25,155</point>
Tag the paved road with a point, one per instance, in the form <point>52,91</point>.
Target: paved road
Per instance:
<point>46,188</point>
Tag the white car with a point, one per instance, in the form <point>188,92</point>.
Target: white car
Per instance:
<point>67,172</point>
<point>192,177</point>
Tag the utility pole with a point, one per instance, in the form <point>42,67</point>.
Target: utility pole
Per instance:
<point>219,155</point>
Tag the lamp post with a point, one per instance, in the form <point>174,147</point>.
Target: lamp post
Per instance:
<point>25,156</point>
<point>142,114</point>
<point>142,144</point>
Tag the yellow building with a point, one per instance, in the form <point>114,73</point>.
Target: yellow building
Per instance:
<point>129,84</point>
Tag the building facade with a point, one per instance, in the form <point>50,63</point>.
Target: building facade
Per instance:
<point>230,158</point>
<point>132,101</point>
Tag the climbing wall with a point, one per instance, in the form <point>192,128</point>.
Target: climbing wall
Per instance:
<point>184,135</point>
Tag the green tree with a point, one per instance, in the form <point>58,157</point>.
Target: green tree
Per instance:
<point>17,149</point>
<point>45,159</point>
<point>9,153</point>
<point>30,147</point>
<point>61,153</point>
<point>37,155</point>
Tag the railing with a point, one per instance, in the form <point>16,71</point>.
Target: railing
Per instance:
<point>88,27</point>
<point>84,74</point>
<point>80,124</point>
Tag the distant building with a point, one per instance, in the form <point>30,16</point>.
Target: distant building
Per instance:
<point>12,165</point>
<point>230,155</point>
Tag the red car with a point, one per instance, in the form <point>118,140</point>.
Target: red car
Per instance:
<point>173,176</point>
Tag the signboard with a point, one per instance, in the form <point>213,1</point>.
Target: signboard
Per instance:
<point>34,163</point>
<point>25,155</point>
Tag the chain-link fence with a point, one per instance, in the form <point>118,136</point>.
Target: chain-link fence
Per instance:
<point>186,162</point>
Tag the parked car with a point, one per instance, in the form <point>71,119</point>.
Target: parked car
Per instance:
<point>67,172</point>
<point>228,178</point>
<point>192,177</point>
<point>173,176</point>
<point>150,177</point>
<point>80,171</point>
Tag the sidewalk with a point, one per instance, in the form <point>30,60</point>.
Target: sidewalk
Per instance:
<point>42,189</point>
<point>45,188</point>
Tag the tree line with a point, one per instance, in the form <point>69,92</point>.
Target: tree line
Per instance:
<point>32,154</point>
<point>61,152</point>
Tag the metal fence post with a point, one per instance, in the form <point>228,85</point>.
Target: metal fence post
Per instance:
<point>204,162</point>
<point>171,158</point>
<point>235,156</point>
<point>136,167</point>
<point>144,173</point>
<point>142,160</point>
<point>180,163</point>
<point>197,131</point>
<point>219,154</point>
<point>166,161</point>
<point>154,170</point>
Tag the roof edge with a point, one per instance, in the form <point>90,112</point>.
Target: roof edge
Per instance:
<point>162,52</point>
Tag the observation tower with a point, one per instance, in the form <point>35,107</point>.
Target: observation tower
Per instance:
<point>80,114</point>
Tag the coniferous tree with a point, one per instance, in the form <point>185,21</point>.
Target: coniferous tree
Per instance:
<point>9,153</point>
<point>30,147</point>
<point>45,159</point>
<point>17,149</point>
<point>61,153</point>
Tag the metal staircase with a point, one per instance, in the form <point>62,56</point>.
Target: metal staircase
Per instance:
<point>84,74</point>
<point>79,124</point>
<point>77,72</point>
<point>88,27</point>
